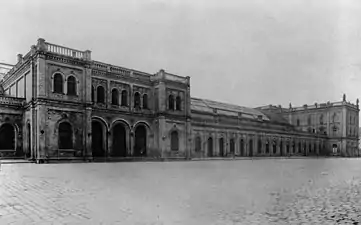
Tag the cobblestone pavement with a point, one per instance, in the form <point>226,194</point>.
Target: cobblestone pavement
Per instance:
<point>272,191</point>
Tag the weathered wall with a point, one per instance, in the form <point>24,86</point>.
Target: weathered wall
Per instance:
<point>55,116</point>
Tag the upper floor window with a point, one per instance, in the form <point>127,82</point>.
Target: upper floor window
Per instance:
<point>124,98</point>
<point>71,85</point>
<point>58,83</point>
<point>298,122</point>
<point>115,97</point>
<point>100,94</point>
<point>171,102</point>
<point>178,103</point>
<point>145,101</point>
<point>92,93</point>
<point>136,100</point>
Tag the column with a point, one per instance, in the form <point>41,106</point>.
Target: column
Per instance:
<point>88,154</point>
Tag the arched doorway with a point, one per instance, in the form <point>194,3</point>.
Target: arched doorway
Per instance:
<point>274,147</point>
<point>65,136</point>
<point>7,137</point>
<point>119,147</point>
<point>232,146</point>
<point>334,149</point>
<point>250,148</point>
<point>221,147</point>
<point>140,145</point>
<point>267,147</point>
<point>241,147</point>
<point>174,141</point>
<point>97,139</point>
<point>28,141</point>
<point>210,147</point>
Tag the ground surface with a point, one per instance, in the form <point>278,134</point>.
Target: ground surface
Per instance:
<point>272,191</point>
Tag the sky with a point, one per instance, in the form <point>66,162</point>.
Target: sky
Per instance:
<point>245,52</point>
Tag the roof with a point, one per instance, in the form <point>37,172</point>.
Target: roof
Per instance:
<point>210,106</point>
<point>276,117</point>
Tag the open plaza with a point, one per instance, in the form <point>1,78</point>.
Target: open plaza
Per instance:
<point>221,192</point>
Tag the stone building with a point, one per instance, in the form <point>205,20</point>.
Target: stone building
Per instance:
<point>58,103</point>
<point>339,121</point>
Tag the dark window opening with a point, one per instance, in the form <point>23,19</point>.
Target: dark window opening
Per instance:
<point>145,101</point>
<point>171,102</point>
<point>137,100</point>
<point>71,85</point>
<point>65,136</point>
<point>174,141</point>
<point>115,97</point>
<point>58,83</point>
<point>100,94</point>
<point>124,98</point>
<point>178,103</point>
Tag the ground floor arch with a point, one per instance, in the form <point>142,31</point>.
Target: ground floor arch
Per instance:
<point>7,137</point>
<point>140,141</point>
<point>221,147</point>
<point>98,139</point>
<point>119,141</point>
<point>210,147</point>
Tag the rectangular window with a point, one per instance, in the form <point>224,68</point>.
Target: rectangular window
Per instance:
<point>28,87</point>
<point>13,90</point>
<point>20,88</point>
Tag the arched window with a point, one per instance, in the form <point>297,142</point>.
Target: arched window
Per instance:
<point>198,144</point>
<point>174,141</point>
<point>92,93</point>
<point>65,136</point>
<point>124,98</point>
<point>100,94</point>
<point>178,103</point>
<point>115,97</point>
<point>58,83</point>
<point>171,102</point>
<point>71,85</point>
<point>136,100</point>
<point>145,101</point>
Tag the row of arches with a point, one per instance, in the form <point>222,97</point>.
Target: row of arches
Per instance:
<point>58,84</point>
<point>120,137</point>
<point>120,98</point>
<point>261,147</point>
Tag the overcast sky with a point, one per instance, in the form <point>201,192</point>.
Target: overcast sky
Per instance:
<point>246,52</point>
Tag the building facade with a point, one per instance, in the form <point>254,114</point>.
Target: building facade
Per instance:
<point>58,103</point>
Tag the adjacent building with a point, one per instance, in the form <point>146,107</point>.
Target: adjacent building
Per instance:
<point>58,103</point>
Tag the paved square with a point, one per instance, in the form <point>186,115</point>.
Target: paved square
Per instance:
<point>272,191</point>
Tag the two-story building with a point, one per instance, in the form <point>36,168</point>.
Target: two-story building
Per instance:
<point>58,103</point>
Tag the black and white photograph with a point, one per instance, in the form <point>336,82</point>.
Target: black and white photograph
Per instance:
<point>180,112</point>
